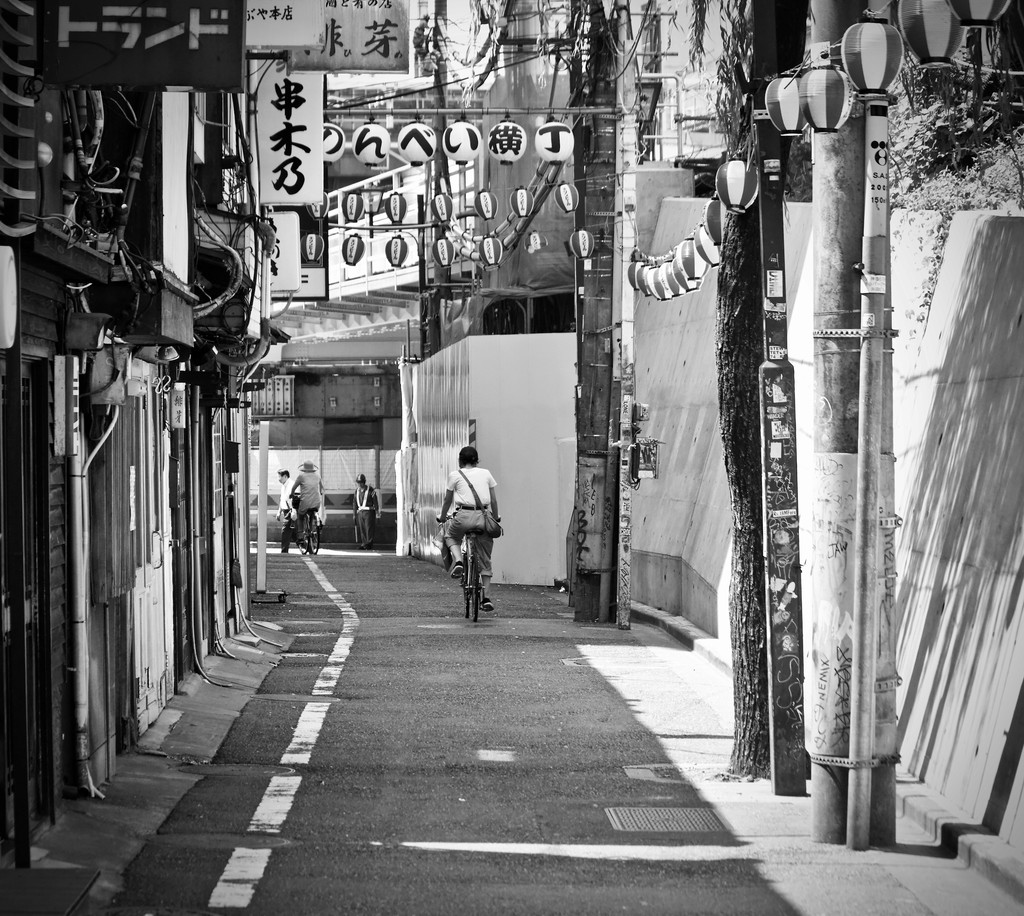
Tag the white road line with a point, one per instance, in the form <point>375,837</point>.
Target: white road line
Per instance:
<point>327,680</point>
<point>277,802</point>
<point>306,733</point>
<point>241,875</point>
<point>246,867</point>
<point>583,851</point>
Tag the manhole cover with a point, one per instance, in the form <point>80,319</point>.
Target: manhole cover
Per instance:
<point>658,772</point>
<point>663,820</point>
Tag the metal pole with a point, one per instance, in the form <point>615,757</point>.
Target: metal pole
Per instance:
<point>261,510</point>
<point>777,387</point>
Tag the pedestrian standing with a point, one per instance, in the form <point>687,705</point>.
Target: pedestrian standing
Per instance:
<point>285,512</point>
<point>365,512</point>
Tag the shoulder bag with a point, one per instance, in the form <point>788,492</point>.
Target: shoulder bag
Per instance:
<point>488,524</point>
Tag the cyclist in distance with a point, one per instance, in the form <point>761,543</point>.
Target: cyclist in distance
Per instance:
<point>308,497</point>
<point>459,497</point>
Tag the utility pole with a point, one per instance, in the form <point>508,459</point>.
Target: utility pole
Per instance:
<point>596,496</point>
<point>838,207</point>
<point>777,386</point>
<point>625,242</point>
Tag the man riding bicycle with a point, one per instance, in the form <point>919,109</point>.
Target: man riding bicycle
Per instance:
<point>460,492</point>
<point>308,498</point>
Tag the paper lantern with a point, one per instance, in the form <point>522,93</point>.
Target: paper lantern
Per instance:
<point>371,144</point>
<point>444,252</point>
<point>461,142</point>
<point>705,247</point>
<point>931,30</point>
<point>581,244</point>
<point>643,280</point>
<point>674,283</point>
<point>334,142</point>
<point>659,288</point>
<point>631,273</point>
<point>713,220</point>
<point>736,183</point>
<point>396,206</point>
<point>567,197</point>
<point>353,206</point>
<point>506,142</point>
<point>442,206</point>
<point>693,265</point>
<point>417,142</point>
<point>491,250</point>
<point>872,55</point>
<point>313,247</point>
<point>353,249</point>
<point>679,275</point>
<point>983,13</point>
<point>554,141</point>
<point>782,99</point>
<point>397,250</point>
<point>520,202</point>
<point>485,204</point>
<point>826,98</point>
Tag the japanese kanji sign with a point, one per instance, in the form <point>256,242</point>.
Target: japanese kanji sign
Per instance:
<point>363,36</point>
<point>313,259</point>
<point>168,44</point>
<point>294,24</point>
<point>284,260</point>
<point>290,136</point>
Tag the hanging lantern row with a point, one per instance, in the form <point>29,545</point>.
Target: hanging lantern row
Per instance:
<point>461,141</point>
<point>521,204</point>
<point>683,269</point>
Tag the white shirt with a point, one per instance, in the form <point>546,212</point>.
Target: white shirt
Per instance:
<point>481,479</point>
<point>283,506</point>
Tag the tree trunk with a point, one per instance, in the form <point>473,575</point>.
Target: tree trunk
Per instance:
<point>738,354</point>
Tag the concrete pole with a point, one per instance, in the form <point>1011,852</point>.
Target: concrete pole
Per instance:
<point>838,207</point>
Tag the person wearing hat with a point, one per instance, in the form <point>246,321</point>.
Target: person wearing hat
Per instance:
<point>365,512</point>
<point>308,494</point>
<point>285,512</point>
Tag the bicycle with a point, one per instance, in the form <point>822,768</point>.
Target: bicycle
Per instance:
<point>309,539</point>
<point>472,586</point>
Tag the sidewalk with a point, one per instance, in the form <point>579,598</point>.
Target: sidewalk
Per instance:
<point>972,843</point>
<point>106,834</point>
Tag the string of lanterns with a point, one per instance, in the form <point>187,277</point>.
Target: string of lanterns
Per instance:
<point>462,142</point>
<point>821,98</point>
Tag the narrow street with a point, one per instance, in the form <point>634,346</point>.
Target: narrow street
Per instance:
<point>401,760</point>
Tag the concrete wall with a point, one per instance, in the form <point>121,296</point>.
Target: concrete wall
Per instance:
<point>516,392</point>
<point>959,433</point>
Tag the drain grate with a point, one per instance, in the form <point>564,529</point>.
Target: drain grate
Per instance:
<point>664,820</point>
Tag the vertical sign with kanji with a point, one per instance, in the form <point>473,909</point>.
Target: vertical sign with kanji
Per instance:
<point>290,136</point>
<point>363,36</point>
<point>178,44</point>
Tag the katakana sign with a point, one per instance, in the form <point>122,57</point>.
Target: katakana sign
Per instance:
<point>295,24</point>
<point>290,136</point>
<point>363,36</point>
<point>172,44</point>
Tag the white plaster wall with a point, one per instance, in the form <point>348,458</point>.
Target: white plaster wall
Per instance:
<point>521,396</point>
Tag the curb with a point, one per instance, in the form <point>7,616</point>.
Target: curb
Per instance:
<point>972,843</point>
<point>717,651</point>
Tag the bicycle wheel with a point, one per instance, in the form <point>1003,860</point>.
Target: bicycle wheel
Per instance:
<point>467,553</point>
<point>314,540</point>
<point>473,577</point>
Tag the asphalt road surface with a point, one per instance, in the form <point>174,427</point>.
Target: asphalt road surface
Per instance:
<point>401,760</point>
